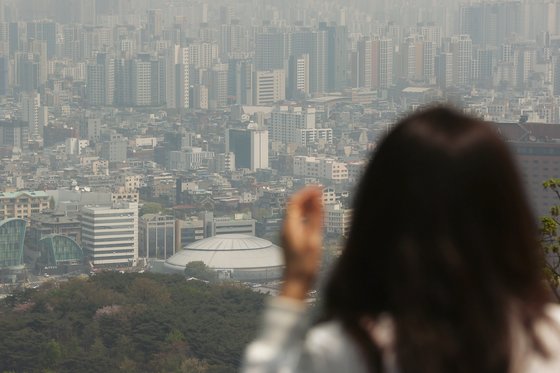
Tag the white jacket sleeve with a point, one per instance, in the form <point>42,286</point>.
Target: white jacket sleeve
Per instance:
<point>279,345</point>
<point>287,345</point>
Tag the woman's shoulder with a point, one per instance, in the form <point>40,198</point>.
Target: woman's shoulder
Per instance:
<point>548,329</point>
<point>334,349</point>
<point>548,332</point>
<point>552,310</point>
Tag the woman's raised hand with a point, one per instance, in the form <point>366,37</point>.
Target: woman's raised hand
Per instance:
<point>302,241</point>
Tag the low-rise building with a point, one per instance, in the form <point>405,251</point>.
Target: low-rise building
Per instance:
<point>52,222</point>
<point>22,204</point>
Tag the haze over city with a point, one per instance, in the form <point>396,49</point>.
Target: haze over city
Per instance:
<point>140,136</point>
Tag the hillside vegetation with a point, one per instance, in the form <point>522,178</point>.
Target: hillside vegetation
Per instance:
<point>116,322</point>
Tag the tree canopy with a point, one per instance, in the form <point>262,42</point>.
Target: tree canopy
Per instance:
<point>116,322</point>
<point>550,239</point>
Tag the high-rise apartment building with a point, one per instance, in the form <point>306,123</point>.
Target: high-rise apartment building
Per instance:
<point>316,44</point>
<point>525,59</point>
<point>177,81</point>
<point>364,64</point>
<point>270,50</point>
<point>431,33</point>
<point>486,61</point>
<point>101,81</point>
<point>38,49</point>
<point>461,48</point>
<point>491,23</point>
<point>27,71</point>
<point>444,69</point>
<point>218,87</point>
<point>386,51</point>
<point>374,63</point>
<point>4,75</point>
<point>45,31</point>
<point>141,81</point>
<point>35,115</point>
<point>155,23</point>
<point>110,234</point>
<point>337,56</point>
<point>14,134</point>
<point>203,54</point>
<point>298,76</point>
<point>240,81</point>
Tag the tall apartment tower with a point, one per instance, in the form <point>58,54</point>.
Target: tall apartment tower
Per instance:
<point>298,76</point>
<point>444,69</point>
<point>44,31</point>
<point>177,77</point>
<point>35,115</point>
<point>374,63</point>
<point>39,50</point>
<point>218,89</point>
<point>4,75</point>
<point>100,88</point>
<point>491,23</point>
<point>155,23</point>
<point>431,33</point>
<point>203,55</point>
<point>461,47</point>
<point>270,50</point>
<point>141,79</point>
<point>385,63</point>
<point>27,71</point>
<point>314,43</point>
<point>337,56</point>
<point>364,64</point>
<point>486,60</point>
<point>240,81</point>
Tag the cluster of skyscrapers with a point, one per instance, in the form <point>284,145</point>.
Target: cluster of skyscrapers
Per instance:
<point>214,107</point>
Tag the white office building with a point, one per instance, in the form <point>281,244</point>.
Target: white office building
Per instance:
<point>269,87</point>
<point>110,234</point>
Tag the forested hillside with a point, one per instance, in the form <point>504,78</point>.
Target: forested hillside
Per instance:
<point>116,322</point>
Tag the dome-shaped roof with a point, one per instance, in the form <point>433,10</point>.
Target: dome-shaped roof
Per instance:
<point>229,242</point>
<point>229,251</point>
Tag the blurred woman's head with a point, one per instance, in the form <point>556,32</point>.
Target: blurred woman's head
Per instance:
<point>442,239</point>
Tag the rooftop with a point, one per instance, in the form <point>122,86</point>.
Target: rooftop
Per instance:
<point>9,195</point>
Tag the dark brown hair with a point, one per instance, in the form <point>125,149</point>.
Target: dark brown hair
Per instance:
<point>444,241</point>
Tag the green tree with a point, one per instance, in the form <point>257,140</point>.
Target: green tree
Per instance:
<point>150,208</point>
<point>550,239</point>
<point>52,353</point>
<point>200,271</point>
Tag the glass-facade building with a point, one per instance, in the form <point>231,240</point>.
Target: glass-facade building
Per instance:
<point>12,236</point>
<point>58,250</point>
<point>157,236</point>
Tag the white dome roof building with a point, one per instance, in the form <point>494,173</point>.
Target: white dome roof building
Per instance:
<point>237,256</point>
